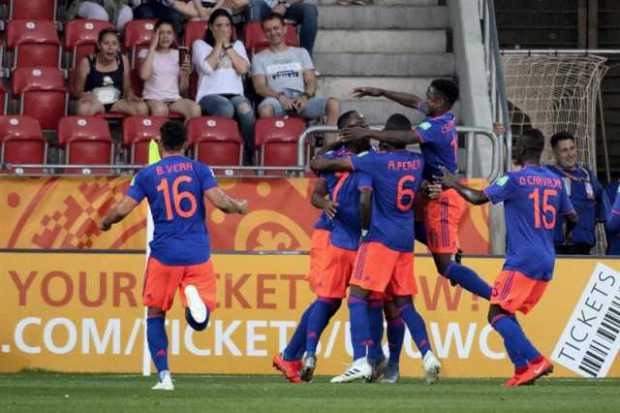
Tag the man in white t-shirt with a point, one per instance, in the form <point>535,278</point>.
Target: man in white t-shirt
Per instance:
<point>285,78</point>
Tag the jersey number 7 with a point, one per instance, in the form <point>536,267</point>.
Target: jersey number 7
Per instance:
<point>177,197</point>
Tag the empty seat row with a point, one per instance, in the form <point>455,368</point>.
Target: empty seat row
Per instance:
<point>86,140</point>
<point>36,42</point>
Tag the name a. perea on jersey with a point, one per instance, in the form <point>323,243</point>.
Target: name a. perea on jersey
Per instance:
<point>540,181</point>
<point>175,167</point>
<point>404,165</point>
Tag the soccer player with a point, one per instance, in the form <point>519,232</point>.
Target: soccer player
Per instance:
<point>438,140</point>
<point>384,261</point>
<point>335,234</point>
<point>533,198</point>
<point>177,189</point>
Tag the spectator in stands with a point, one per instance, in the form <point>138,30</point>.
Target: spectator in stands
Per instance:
<point>165,76</point>
<point>613,235</point>
<point>301,13</point>
<point>586,194</point>
<point>221,61</point>
<point>103,83</point>
<point>175,11</point>
<point>284,77</point>
<point>116,11</point>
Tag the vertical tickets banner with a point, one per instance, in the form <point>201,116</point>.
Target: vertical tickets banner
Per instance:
<point>53,212</point>
<point>82,312</point>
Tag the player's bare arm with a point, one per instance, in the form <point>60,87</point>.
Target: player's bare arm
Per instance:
<point>225,203</point>
<point>395,137</point>
<point>321,164</point>
<point>405,99</point>
<point>471,195</point>
<point>118,212</point>
<point>320,199</point>
<point>365,209</point>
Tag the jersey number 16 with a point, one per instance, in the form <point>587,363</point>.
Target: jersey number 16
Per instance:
<point>177,197</point>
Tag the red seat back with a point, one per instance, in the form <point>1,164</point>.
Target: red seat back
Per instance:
<point>87,140</point>
<point>216,140</point>
<point>22,140</point>
<point>255,39</point>
<point>35,43</point>
<point>194,30</point>
<point>42,94</point>
<point>32,9</point>
<point>81,37</point>
<point>3,100</point>
<point>138,35</point>
<point>137,134</point>
<point>277,138</point>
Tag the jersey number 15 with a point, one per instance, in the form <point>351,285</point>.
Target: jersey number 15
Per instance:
<point>545,219</point>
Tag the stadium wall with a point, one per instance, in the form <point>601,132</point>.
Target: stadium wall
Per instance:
<point>64,213</point>
<point>81,312</point>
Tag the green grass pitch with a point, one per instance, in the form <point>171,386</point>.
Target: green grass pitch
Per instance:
<point>89,393</point>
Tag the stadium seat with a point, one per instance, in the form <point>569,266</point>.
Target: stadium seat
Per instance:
<point>3,99</point>
<point>42,94</point>
<point>277,138</point>
<point>32,9</point>
<point>215,140</point>
<point>87,140</point>
<point>22,141</point>
<point>137,133</point>
<point>255,39</point>
<point>81,38</point>
<point>34,43</point>
<point>194,30</point>
<point>138,34</point>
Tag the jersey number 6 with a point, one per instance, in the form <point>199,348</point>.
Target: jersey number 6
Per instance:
<point>177,197</point>
<point>405,196</point>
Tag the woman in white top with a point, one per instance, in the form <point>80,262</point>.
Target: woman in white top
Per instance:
<point>221,62</point>
<point>164,76</point>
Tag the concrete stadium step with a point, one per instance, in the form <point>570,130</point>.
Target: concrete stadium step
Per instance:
<point>381,41</point>
<point>383,17</point>
<point>384,64</point>
<point>382,2</point>
<point>377,111</point>
<point>341,87</point>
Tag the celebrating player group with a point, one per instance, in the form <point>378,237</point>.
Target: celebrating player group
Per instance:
<point>375,203</point>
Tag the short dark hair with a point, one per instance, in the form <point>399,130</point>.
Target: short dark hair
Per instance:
<point>209,38</point>
<point>108,30</point>
<point>173,135</point>
<point>345,118</point>
<point>532,144</point>
<point>272,16</point>
<point>448,89</point>
<point>398,121</point>
<point>561,136</point>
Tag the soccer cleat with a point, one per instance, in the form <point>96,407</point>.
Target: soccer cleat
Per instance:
<point>307,367</point>
<point>197,307</point>
<point>378,368</point>
<point>534,372</point>
<point>289,368</point>
<point>360,369</point>
<point>512,381</point>
<point>431,367</point>
<point>165,382</point>
<point>391,374</point>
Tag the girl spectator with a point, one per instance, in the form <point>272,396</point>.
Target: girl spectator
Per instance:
<point>221,61</point>
<point>165,76</point>
<point>103,83</point>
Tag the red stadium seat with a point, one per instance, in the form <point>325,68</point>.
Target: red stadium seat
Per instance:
<point>277,138</point>
<point>87,140</point>
<point>3,100</point>
<point>216,140</point>
<point>194,30</point>
<point>255,39</point>
<point>138,34</point>
<point>34,42</point>
<point>42,94</point>
<point>32,9</point>
<point>137,133</point>
<point>81,37</point>
<point>22,140</point>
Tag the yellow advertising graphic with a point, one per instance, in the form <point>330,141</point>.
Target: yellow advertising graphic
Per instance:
<point>83,313</point>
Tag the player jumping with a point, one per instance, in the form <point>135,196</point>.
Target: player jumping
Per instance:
<point>533,197</point>
<point>176,188</point>
<point>438,140</point>
<point>384,260</point>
